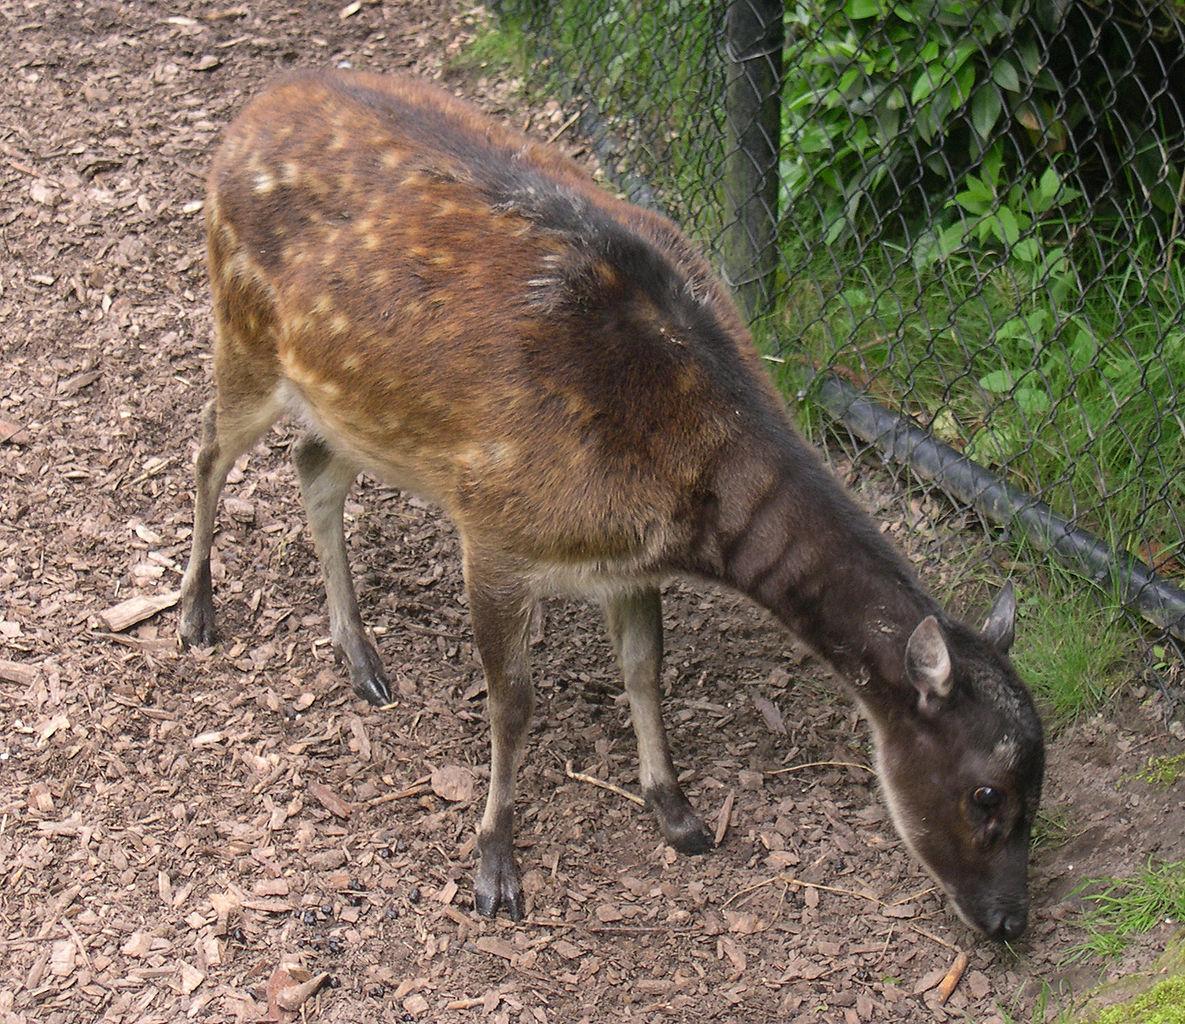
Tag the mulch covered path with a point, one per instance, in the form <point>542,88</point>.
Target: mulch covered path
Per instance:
<point>202,835</point>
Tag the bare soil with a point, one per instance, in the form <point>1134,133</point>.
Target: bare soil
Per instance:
<point>175,825</point>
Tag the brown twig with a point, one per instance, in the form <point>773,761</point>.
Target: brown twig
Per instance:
<point>821,764</point>
<point>951,980</point>
<point>592,780</point>
<point>932,937</point>
<point>912,896</point>
<point>791,880</point>
<point>601,929</point>
<point>563,128</point>
<point>421,785</point>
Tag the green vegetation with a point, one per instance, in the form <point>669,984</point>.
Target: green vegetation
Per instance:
<point>1123,907</point>
<point>1164,1003</point>
<point>1063,376</point>
<point>1163,771</point>
<point>497,44</point>
<point>1051,829</point>
<point>1041,1012</point>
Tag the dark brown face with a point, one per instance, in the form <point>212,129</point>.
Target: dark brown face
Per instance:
<point>963,776</point>
<point>966,814</point>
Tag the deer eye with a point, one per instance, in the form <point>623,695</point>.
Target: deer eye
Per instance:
<point>987,798</point>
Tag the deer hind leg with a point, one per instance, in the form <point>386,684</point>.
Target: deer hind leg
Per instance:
<point>500,605</point>
<point>635,625</point>
<point>231,424</point>
<point>325,480</point>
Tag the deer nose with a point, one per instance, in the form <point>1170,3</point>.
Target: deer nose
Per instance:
<point>1006,925</point>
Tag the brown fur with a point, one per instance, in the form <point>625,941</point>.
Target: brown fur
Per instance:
<point>463,312</point>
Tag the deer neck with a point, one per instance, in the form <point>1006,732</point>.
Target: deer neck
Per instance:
<point>787,535</point>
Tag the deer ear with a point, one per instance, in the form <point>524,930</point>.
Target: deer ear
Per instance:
<point>1000,627</point>
<point>927,661</point>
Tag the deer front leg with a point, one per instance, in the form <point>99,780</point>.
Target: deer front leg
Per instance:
<point>635,625</point>
<point>500,605</point>
<point>325,480</point>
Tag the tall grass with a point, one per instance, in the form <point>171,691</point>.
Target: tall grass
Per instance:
<point>1079,403</point>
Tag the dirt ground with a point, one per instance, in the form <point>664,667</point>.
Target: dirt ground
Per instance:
<point>174,826</point>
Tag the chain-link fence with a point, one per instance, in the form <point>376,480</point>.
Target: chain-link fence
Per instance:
<point>956,227</point>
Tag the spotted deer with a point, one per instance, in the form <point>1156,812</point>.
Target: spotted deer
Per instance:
<point>463,313</point>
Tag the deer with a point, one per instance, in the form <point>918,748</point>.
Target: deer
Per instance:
<point>465,314</point>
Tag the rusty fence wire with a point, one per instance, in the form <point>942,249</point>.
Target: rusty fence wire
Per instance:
<point>956,228</point>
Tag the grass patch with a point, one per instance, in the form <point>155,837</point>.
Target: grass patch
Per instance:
<point>1121,908</point>
<point>1162,771</point>
<point>1164,1003</point>
<point>1051,829</point>
<point>1070,398</point>
<point>1071,650</point>
<point>1041,1012</point>
<point>498,44</point>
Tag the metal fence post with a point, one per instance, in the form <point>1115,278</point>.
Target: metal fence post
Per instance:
<point>753,40</point>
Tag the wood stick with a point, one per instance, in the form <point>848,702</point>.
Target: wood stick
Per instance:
<point>931,936</point>
<point>951,980</point>
<point>563,128</point>
<point>791,880</point>
<point>136,609</point>
<point>592,780</point>
<point>15,672</point>
<point>415,789</point>
<point>822,764</point>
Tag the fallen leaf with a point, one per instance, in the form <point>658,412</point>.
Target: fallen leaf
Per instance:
<point>607,913</point>
<point>288,988</point>
<point>413,1004</point>
<point>13,433</point>
<point>929,980</point>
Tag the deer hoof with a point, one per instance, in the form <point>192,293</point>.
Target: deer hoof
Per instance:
<point>498,887</point>
<point>681,826</point>
<point>196,628</point>
<point>373,688</point>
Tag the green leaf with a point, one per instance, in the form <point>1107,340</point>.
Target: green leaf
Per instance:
<point>1016,327</point>
<point>929,80</point>
<point>856,9</point>
<point>951,239</point>
<point>964,83</point>
<point>992,161</point>
<point>1005,76</point>
<point>1032,401</point>
<point>985,111</point>
<point>1009,231</point>
<point>1030,58</point>
<point>1027,250</point>
<point>998,382</point>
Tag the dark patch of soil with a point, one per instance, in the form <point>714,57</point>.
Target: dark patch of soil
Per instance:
<point>171,825</point>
